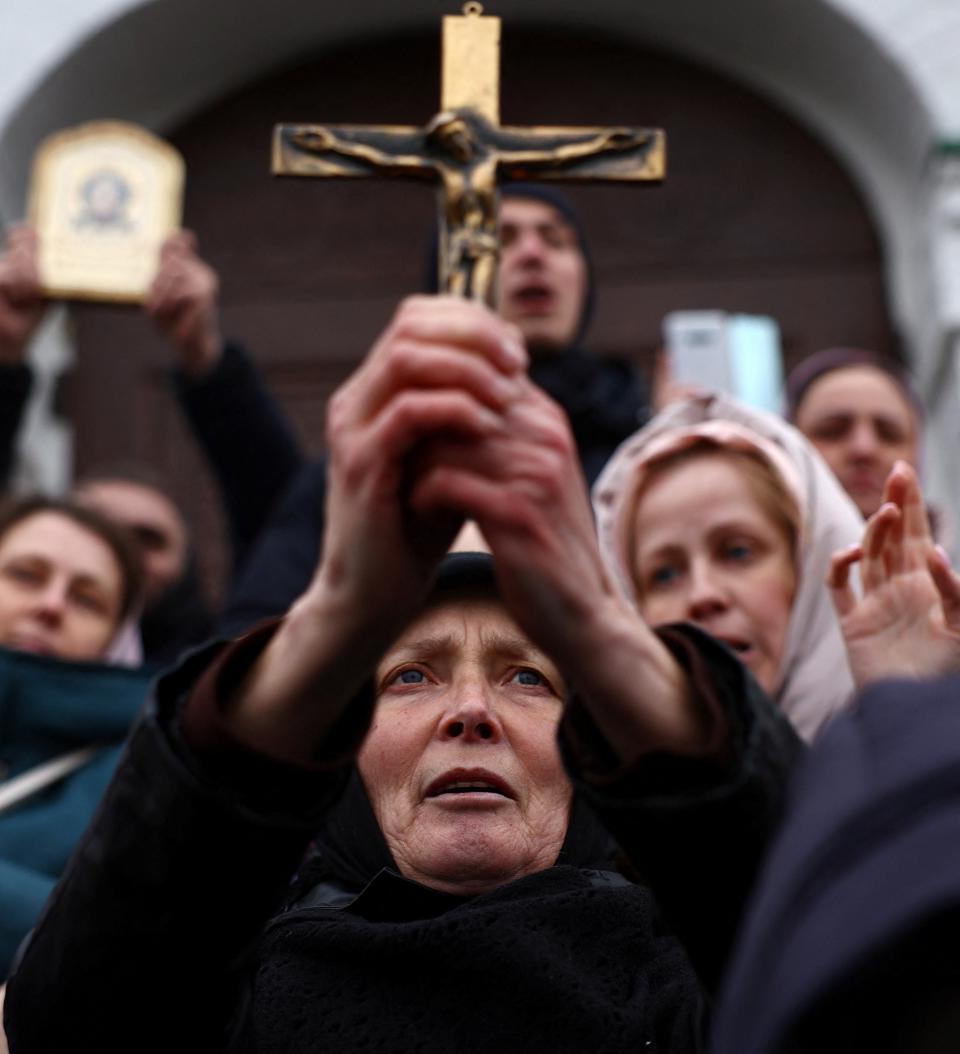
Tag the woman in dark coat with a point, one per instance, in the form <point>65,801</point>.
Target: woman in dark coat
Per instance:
<point>460,894</point>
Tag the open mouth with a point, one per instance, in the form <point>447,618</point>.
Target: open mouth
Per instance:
<point>473,782</point>
<point>534,296</point>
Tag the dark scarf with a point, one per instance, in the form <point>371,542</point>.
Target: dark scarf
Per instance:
<point>568,959</point>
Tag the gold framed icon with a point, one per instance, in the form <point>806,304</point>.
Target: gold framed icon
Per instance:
<point>103,198</point>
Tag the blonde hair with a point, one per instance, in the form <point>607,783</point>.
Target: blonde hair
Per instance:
<point>771,492</point>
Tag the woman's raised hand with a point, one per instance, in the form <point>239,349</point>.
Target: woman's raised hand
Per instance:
<point>443,367</point>
<point>907,621</point>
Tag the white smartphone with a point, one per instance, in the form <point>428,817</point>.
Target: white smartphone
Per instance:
<point>696,342</point>
<point>738,354</point>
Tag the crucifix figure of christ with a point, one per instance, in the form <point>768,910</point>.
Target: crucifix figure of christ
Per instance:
<point>466,151</point>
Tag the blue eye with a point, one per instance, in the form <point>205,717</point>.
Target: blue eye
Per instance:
<point>411,677</point>
<point>663,575</point>
<point>528,677</point>
<point>739,551</point>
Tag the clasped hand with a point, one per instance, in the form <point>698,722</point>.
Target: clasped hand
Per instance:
<point>438,425</point>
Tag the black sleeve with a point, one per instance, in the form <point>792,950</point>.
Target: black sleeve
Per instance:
<point>247,440</point>
<point>696,830</point>
<point>285,557</point>
<point>147,941</point>
<point>15,382</point>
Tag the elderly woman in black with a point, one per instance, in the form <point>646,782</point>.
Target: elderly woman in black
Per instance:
<point>460,893</point>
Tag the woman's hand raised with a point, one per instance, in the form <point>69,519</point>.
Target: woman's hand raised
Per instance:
<point>907,622</point>
<point>443,367</point>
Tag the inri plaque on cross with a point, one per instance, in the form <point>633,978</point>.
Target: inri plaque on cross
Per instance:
<point>465,149</point>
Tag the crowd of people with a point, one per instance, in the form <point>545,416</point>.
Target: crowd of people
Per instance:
<point>473,757</point>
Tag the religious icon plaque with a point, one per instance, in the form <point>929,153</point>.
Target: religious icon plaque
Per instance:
<point>103,197</point>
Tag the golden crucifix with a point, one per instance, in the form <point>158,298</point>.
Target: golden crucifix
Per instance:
<point>465,149</point>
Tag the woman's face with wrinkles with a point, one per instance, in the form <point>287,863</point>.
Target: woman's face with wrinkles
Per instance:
<point>461,763</point>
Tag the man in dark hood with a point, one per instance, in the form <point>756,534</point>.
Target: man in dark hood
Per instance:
<point>546,289</point>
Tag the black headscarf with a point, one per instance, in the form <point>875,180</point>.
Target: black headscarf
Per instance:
<point>350,848</point>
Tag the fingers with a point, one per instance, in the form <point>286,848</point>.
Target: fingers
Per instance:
<point>21,233</point>
<point>451,322</point>
<point>446,486</point>
<point>532,508</point>
<point>443,370</point>
<point>533,455</point>
<point>183,303</point>
<point>438,343</point>
<point>19,274</point>
<point>517,476</point>
<point>947,583</point>
<point>414,415</point>
<point>555,544</point>
<point>897,551</point>
<point>182,279</point>
<point>883,529</point>
<point>902,487</point>
<point>374,454</point>
<point>838,579</point>
<point>182,242</point>
<point>21,294</point>
<point>425,366</point>
<point>522,484</point>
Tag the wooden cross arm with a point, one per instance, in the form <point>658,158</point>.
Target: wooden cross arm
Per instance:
<point>348,151</point>
<point>582,155</point>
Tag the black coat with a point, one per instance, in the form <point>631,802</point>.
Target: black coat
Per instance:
<point>172,929</point>
<point>850,943</point>
<point>15,383</point>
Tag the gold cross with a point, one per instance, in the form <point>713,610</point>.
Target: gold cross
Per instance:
<point>465,149</point>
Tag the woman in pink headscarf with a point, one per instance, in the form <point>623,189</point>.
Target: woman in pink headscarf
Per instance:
<point>726,517</point>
